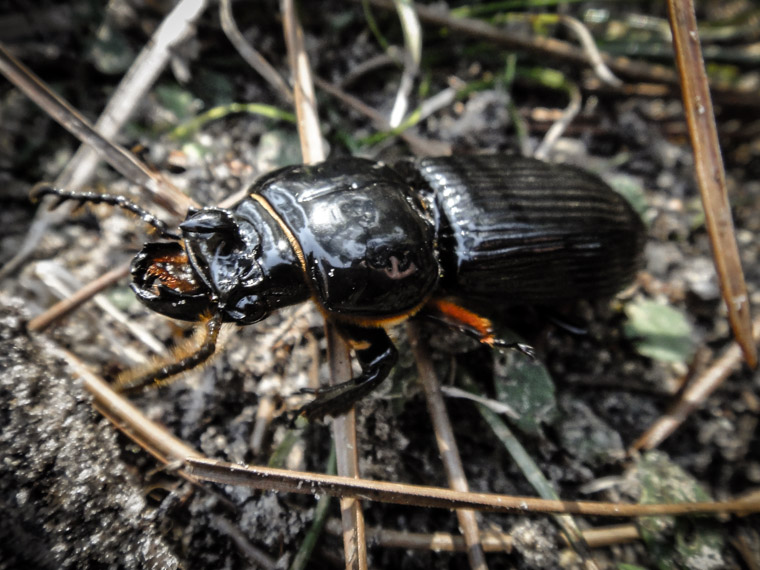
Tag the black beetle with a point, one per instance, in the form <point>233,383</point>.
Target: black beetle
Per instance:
<point>374,245</point>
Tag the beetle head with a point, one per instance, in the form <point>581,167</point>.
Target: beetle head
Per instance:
<point>214,270</point>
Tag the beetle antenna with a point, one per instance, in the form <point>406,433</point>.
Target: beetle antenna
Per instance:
<point>45,189</point>
<point>163,372</point>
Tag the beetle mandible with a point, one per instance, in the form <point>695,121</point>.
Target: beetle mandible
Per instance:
<point>373,245</point>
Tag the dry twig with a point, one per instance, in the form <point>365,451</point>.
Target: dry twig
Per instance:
<point>698,390</point>
<point>438,497</point>
<point>73,302</point>
<point>344,427</point>
<point>251,55</point>
<point>170,450</point>
<point>491,541</point>
<point>419,145</point>
<point>558,50</point>
<point>711,177</point>
<point>447,445</point>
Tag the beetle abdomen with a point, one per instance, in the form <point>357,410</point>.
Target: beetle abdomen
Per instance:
<point>523,230</point>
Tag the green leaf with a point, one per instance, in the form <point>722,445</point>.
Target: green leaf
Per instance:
<point>677,542</point>
<point>179,101</point>
<point>188,128</point>
<point>530,469</point>
<point>525,385</point>
<point>278,148</point>
<point>111,53</point>
<point>122,297</point>
<point>659,331</point>
<point>212,87</point>
<point>630,188</point>
<point>586,436</point>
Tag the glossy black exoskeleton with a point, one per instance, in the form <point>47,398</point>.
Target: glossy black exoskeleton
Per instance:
<point>374,245</point>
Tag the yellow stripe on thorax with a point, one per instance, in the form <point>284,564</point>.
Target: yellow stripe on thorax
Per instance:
<point>288,232</point>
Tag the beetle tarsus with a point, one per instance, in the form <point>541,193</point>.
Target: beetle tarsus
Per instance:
<point>338,399</point>
<point>376,360</point>
<point>523,348</point>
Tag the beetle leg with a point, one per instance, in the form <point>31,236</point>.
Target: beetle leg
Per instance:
<point>376,354</point>
<point>471,324</point>
<point>160,373</point>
